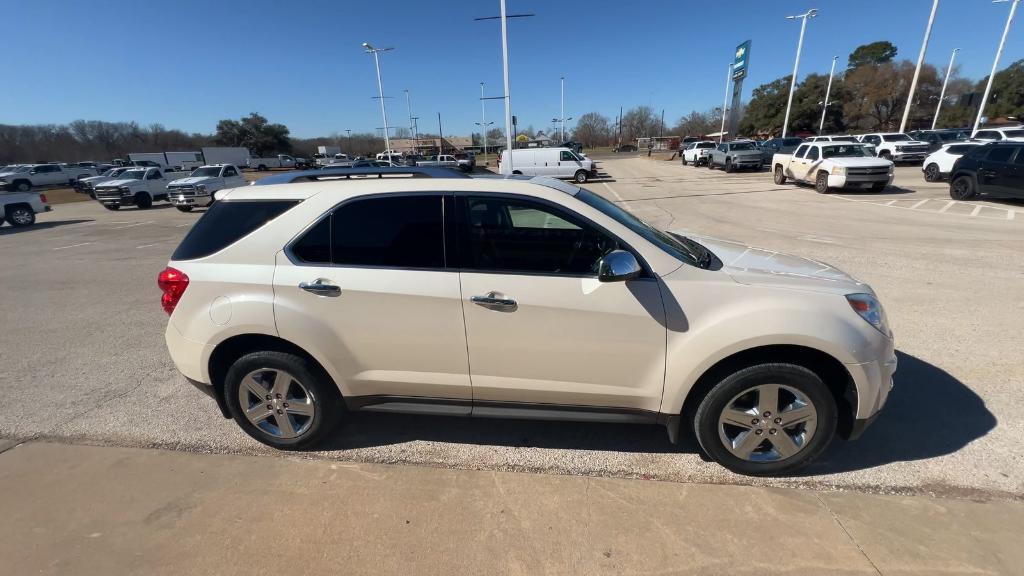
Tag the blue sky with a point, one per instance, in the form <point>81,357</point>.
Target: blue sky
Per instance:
<point>188,63</point>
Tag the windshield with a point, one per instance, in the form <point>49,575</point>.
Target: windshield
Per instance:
<point>132,175</point>
<point>896,138</point>
<point>1014,133</point>
<point>206,171</point>
<point>22,169</point>
<point>844,151</point>
<point>673,245</point>
<point>742,146</point>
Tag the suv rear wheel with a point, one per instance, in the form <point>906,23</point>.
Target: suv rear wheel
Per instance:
<point>281,399</point>
<point>766,420</point>
<point>962,188</point>
<point>931,173</point>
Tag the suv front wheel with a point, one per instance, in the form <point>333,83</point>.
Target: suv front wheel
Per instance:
<point>281,399</point>
<point>766,420</point>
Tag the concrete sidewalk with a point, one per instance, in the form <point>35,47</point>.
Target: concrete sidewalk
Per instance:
<point>90,510</point>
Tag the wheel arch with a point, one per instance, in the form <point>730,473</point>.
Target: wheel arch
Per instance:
<point>831,371</point>
<point>227,352</point>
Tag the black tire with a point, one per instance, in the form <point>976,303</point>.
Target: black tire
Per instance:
<point>20,215</point>
<point>711,163</point>
<point>517,173</point>
<point>779,176</point>
<point>112,206</point>
<point>706,420</point>
<point>821,182</point>
<point>22,186</point>
<point>184,208</point>
<point>261,168</point>
<point>962,188</point>
<point>931,173</point>
<point>683,157</point>
<point>580,177</point>
<point>324,396</point>
<point>729,167</point>
<point>143,201</point>
<point>886,155</point>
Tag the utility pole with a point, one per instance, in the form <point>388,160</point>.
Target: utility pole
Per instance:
<point>942,95</point>
<point>796,65</point>
<point>661,133</point>
<point>380,88</point>
<point>828,91</point>
<point>483,123</point>
<point>408,105</point>
<point>995,63</point>
<point>725,103</point>
<point>917,71</point>
<point>440,136</point>
<point>618,135</point>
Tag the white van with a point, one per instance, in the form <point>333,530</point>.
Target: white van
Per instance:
<point>553,162</point>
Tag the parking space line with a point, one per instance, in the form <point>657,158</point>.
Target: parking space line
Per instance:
<point>614,193</point>
<point>145,245</point>
<point>890,202</point>
<point>947,206</point>
<point>72,246</point>
<point>977,210</point>
<point>916,206</point>
<point>1010,214</point>
<point>132,225</point>
<point>182,225</point>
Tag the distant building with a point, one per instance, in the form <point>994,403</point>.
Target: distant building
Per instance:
<point>431,146</point>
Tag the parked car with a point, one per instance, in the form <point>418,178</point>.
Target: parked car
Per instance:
<point>1000,134</point>
<point>830,165</point>
<point>696,153</point>
<point>87,185</point>
<point>442,160</point>
<point>994,169</point>
<point>553,162</point>
<point>139,187</point>
<point>304,163</point>
<point>296,303</point>
<point>938,138</point>
<point>625,148</point>
<point>938,165</point>
<point>775,146</point>
<point>30,176</point>
<point>19,209</point>
<point>735,155</point>
<point>467,160</point>
<point>390,155</point>
<point>897,146</point>
<point>198,188</point>
<point>270,162</point>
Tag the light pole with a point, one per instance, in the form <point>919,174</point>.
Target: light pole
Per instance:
<point>828,90</point>
<point>995,64</point>
<point>725,103</point>
<point>380,89</point>
<point>408,105</point>
<point>562,113</point>
<point>799,46</point>
<point>483,123</point>
<point>942,94</point>
<point>917,71</point>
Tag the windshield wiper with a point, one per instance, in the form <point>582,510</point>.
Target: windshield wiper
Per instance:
<point>701,255</point>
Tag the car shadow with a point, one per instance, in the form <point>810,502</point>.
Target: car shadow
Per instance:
<point>1008,203</point>
<point>928,414</point>
<point>887,191</point>
<point>8,229</point>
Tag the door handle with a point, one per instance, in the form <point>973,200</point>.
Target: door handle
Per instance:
<point>320,287</point>
<point>494,301</point>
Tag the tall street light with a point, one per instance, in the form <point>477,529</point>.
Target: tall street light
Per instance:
<point>995,64</point>
<point>799,46</point>
<point>483,123</point>
<point>380,88</point>
<point>917,71</point>
<point>942,94</point>
<point>408,105</point>
<point>725,103</point>
<point>828,90</point>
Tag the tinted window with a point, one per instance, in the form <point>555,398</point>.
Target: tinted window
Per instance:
<point>801,151</point>
<point>390,231</point>
<point>1000,153</point>
<point>225,223</point>
<point>1019,159</point>
<point>315,245</point>
<point>567,156</point>
<point>812,153</point>
<point>522,236</point>
<point>230,172</point>
<point>794,141</point>
<point>958,149</point>
<point>989,134</point>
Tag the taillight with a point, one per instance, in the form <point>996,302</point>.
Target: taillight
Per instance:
<point>42,198</point>
<point>173,283</point>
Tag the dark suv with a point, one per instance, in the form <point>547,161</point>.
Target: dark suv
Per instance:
<point>778,146</point>
<point>938,138</point>
<point>995,169</point>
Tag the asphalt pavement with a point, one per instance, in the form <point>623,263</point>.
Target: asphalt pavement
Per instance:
<point>83,357</point>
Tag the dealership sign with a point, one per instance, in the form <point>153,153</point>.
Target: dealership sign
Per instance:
<point>740,61</point>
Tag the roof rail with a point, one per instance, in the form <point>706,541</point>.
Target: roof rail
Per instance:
<point>345,173</point>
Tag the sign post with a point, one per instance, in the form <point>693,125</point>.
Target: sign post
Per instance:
<point>740,64</point>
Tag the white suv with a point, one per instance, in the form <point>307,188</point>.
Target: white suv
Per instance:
<point>293,302</point>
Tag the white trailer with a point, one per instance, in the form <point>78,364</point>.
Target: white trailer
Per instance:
<point>156,158</point>
<point>237,155</point>
<point>184,160</point>
<point>328,150</point>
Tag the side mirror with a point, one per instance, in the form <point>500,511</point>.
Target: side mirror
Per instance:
<point>31,171</point>
<point>618,266</point>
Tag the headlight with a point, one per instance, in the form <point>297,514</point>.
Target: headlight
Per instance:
<point>201,188</point>
<point>899,148</point>
<point>870,309</point>
<point>839,170</point>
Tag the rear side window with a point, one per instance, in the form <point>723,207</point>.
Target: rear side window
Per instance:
<point>812,153</point>
<point>389,231</point>
<point>225,223</point>
<point>801,151</point>
<point>958,149</point>
<point>1000,153</point>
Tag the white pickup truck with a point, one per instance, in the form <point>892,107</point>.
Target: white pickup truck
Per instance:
<point>897,146</point>
<point>86,185</point>
<point>279,161</point>
<point>198,188</point>
<point>20,208</point>
<point>30,176</point>
<point>138,186</point>
<point>442,160</point>
<point>830,165</point>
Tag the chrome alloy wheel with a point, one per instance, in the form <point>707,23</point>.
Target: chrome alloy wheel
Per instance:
<point>767,423</point>
<point>276,403</point>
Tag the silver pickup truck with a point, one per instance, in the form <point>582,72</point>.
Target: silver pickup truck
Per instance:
<point>735,155</point>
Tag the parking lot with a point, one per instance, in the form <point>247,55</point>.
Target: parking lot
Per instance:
<point>84,358</point>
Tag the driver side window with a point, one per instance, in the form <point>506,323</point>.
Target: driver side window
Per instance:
<point>522,236</point>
